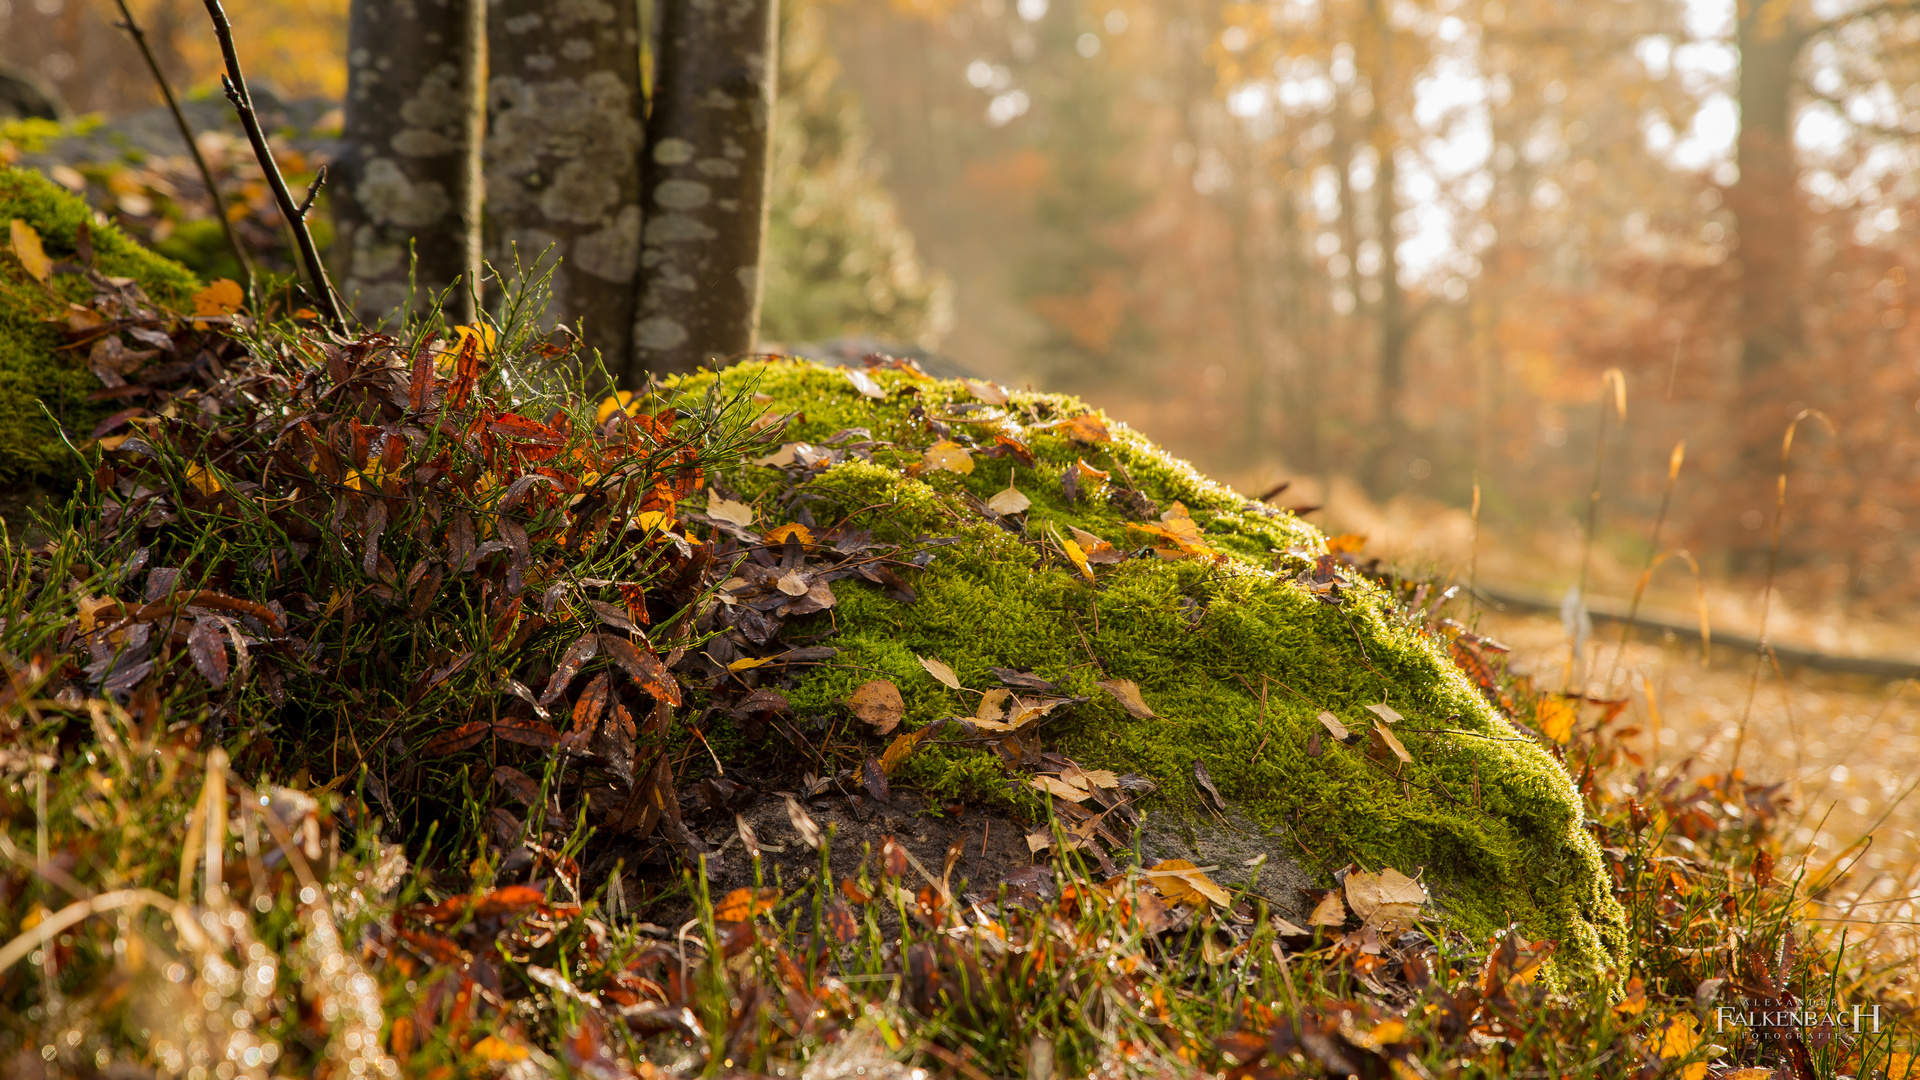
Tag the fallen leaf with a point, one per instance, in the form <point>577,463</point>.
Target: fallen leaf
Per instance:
<point>1345,542</point>
<point>1385,713</point>
<point>875,779</point>
<point>1680,1040</point>
<point>990,704</point>
<point>864,383</point>
<point>1206,784</point>
<point>460,738</point>
<point>897,751</point>
<point>616,402</point>
<point>27,248</point>
<point>1369,893</point>
<point>1555,718</point>
<point>1059,788</point>
<point>1128,694</point>
<point>495,1048</point>
<point>1286,929</point>
<point>878,703</point>
<point>1635,1001</point>
<point>950,456</point>
<point>803,823</point>
<point>1078,557</point>
<point>733,513</point>
<point>1179,881</point>
<point>1088,428</point>
<point>784,533</point>
<point>1329,911</point>
<point>743,904</point>
<point>202,480</point>
<point>1009,501</point>
<point>990,393</point>
<point>1100,778</point>
<point>221,297</point>
<point>941,672</point>
<point>1334,727</point>
<point>747,663</point>
<point>1392,744</point>
<point>1098,550</point>
<point>793,583</point>
<point>1039,840</point>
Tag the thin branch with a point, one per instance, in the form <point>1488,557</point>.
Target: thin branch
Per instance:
<point>235,85</point>
<point>139,36</point>
<point>313,192</point>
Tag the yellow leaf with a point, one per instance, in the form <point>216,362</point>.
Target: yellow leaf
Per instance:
<point>620,400</point>
<point>27,248</point>
<point>990,704</point>
<point>202,481</point>
<point>897,751</point>
<point>1078,556</point>
<point>1554,716</point>
<point>1680,1040</point>
<point>941,672</point>
<point>785,532</point>
<point>1635,1002</point>
<point>485,335</point>
<point>1179,881</point>
<point>747,663</point>
<point>1330,911</point>
<point>650,520</point>
<point>1098,551</point>
<point>220,297</point>
<point>1345,542</point>
<point>1334,727</point>
<point>495,1048</point>
<point>950,456</point>
<point>1010,501</point>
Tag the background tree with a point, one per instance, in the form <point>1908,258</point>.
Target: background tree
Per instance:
<point>407,184</point>
<point>564,142</point>
<point>706,181</point>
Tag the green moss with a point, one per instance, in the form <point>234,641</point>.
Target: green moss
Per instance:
<point>1236,660</point>
<point>34,370</point>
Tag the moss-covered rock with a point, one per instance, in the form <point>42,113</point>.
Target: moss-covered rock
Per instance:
<point>1236,656</point>
<point>35,369</point>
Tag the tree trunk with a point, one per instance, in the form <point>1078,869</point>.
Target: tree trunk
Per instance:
<point>1765,200</point>
<point>707,181</point>
<point>409,171</point>
<point>563,157</point>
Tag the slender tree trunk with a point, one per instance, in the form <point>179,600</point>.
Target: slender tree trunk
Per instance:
<point>563,157</point>
<point>707,182</point>
<point>1765,200</point>
<point>409,174</point>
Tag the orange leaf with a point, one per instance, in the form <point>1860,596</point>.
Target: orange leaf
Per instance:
<point>743,904</point>
<point>220,297</point>
<point>878,703</point>
<point>27,248</point>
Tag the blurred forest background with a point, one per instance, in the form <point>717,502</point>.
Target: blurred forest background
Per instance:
<point>1382,249</point>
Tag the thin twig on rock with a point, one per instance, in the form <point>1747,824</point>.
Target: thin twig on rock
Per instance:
<point>139,36</point>
<point>235,85</point>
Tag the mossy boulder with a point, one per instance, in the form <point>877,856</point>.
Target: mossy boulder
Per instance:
<point>1235,655</point>
<point>37,368</point>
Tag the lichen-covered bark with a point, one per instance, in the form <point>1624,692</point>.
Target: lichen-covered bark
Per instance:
<point>563,156</point>
<point>707,179</point>
<point>409,172</point>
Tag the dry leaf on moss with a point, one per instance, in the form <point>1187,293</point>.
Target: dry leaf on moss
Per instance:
<point>950,456</point>
<point>991,393</point>
<point>1010,501</point>
<point>1334,727</point>
<point>1088,428</point>
<point>27,248</point>
<point>1127,692</point>
<point>1386,896</point>
<point>1391,744</point>
<point>1385,713</point>
<point>1078,557</point>
<point>991,704</point>
<point>1059,788</point>
<point>878,703</point>
<point>1099,552</point>
<point>941,672</point>
<point>864,383</point>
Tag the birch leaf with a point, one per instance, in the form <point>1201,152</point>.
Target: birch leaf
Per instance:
<point>941,672</point>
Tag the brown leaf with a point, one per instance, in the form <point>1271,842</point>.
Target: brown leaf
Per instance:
<point>207,646</point>
<point>990,393</point>
<point>643,667</point>
<point>875,779</point>
<point>1206,784</point>
<point>841,922</point>
<point>583,649</point>
<point>593,702</point>
<point>1088,428</point>
<point>1127,692</point>
<point>614,616</point>
<point>1391,744</point>
<point>1334,727</point>
<point>1385,713</point>
<point>878,703</point>
<point>897,751</point>
<point>1010,501</point>
<point>460,738</point>
<point>526,732</point>
<point>1329,911</point>
<point>517,784</point>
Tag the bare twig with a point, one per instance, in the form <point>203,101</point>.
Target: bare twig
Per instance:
<point>313,192</point>
<point>180,121</point>
<point>235,85</point>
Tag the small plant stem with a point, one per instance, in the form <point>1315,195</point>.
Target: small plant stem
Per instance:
<point>139,36</point>
<point>235,85</point>
<point>1766,594</point>
<point>1613,378</point>
<point>1646,570</point>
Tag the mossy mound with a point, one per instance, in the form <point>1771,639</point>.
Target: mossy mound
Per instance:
<point>36,366</point>
<point>1492,818</point>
